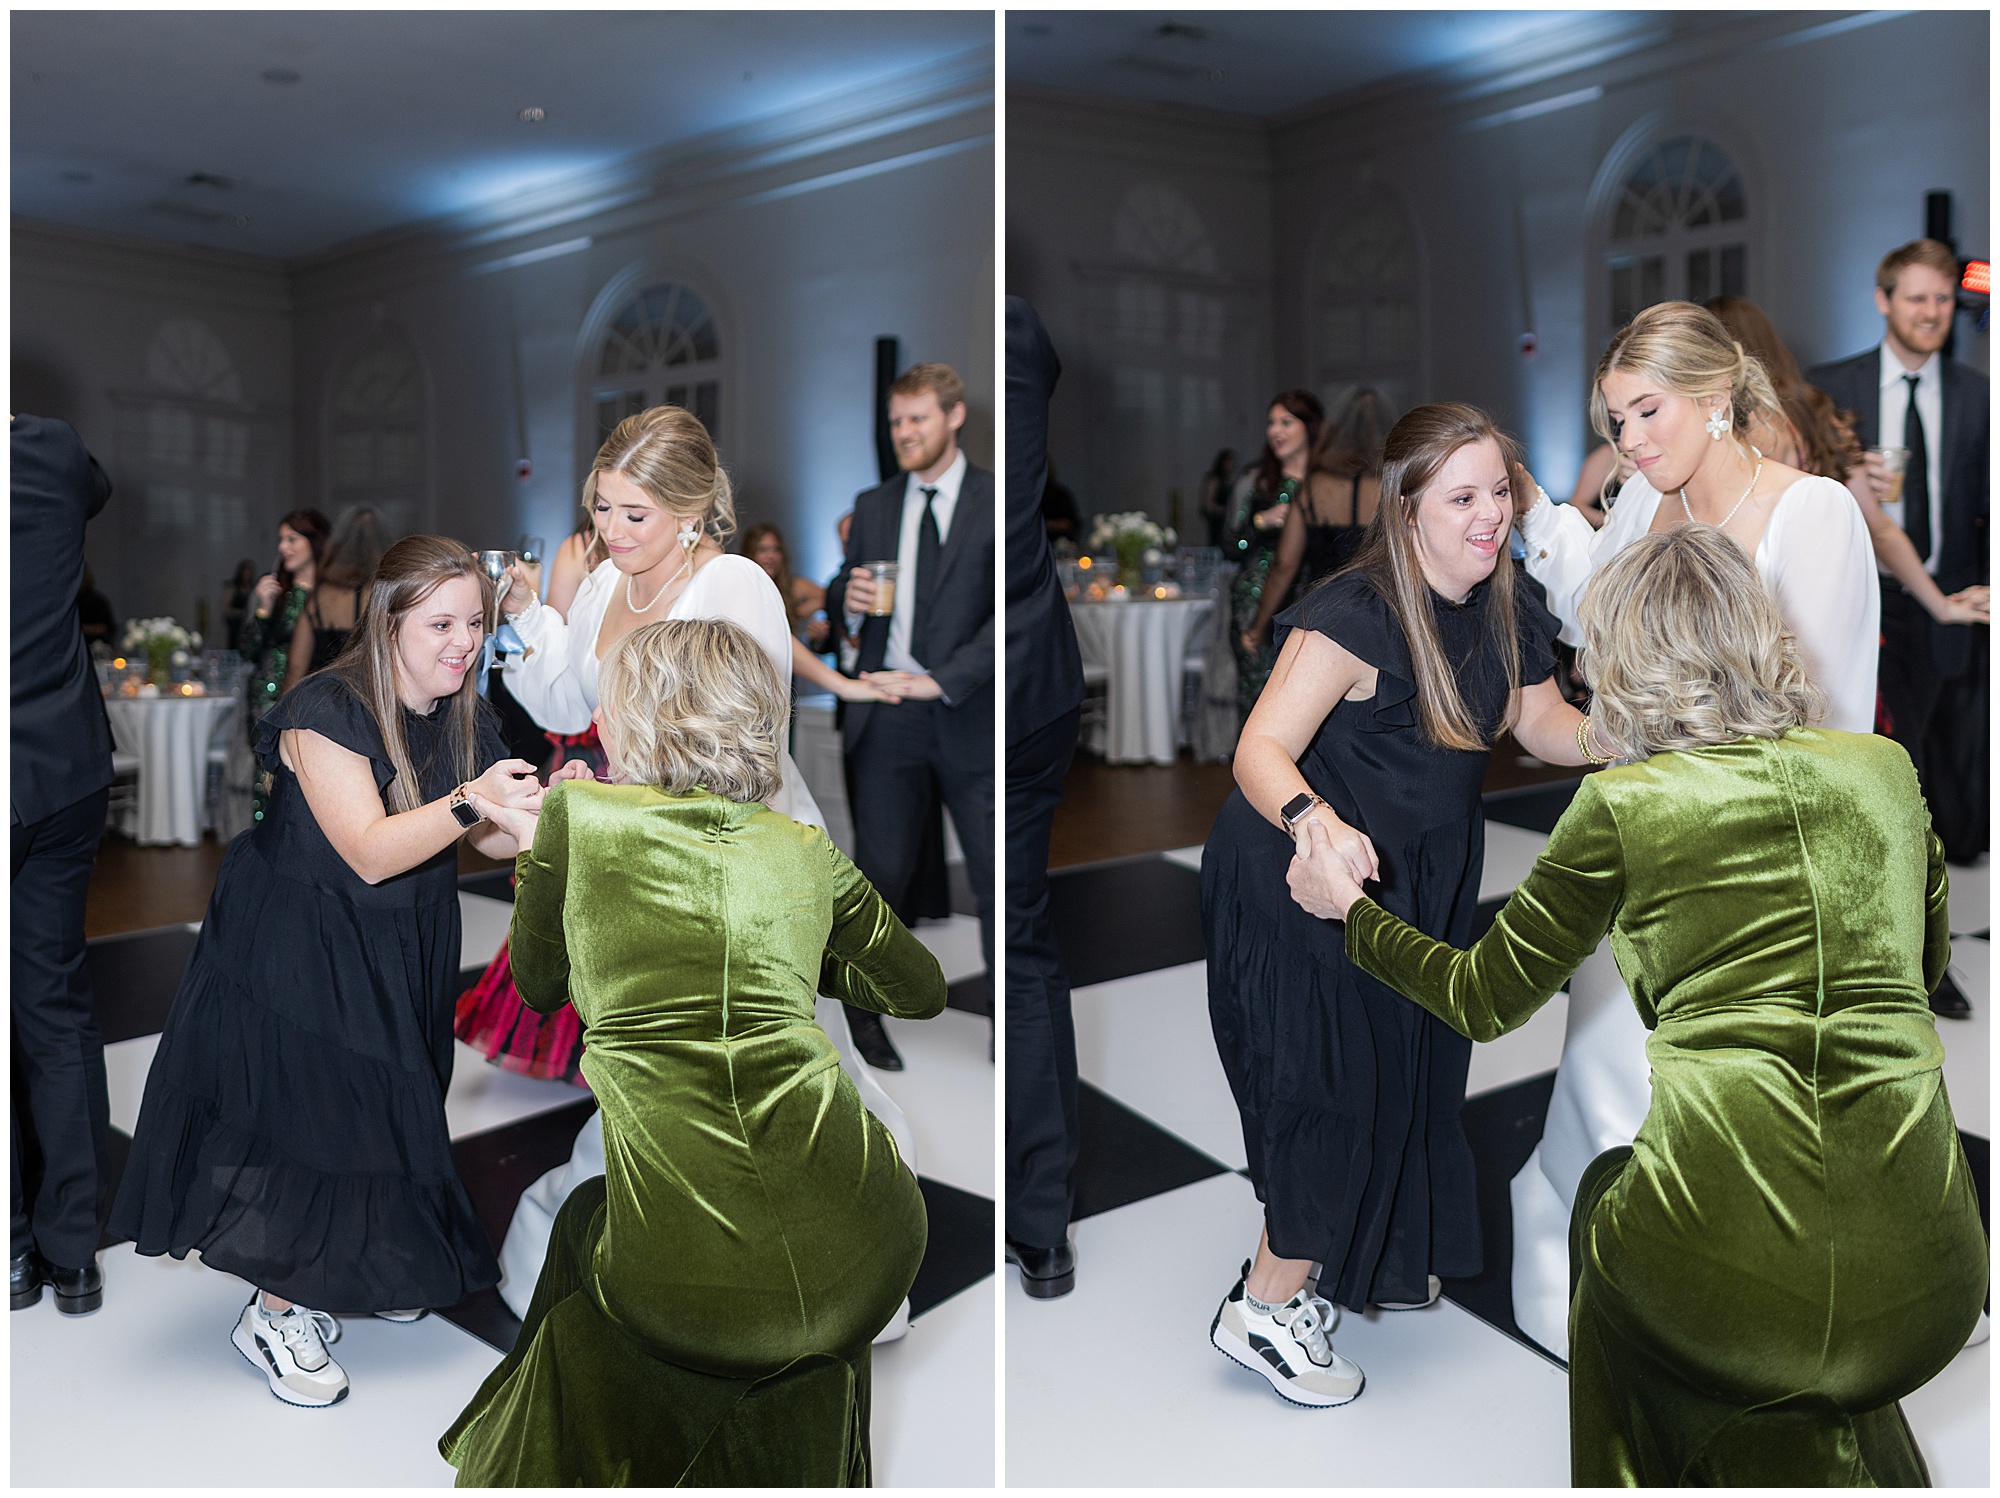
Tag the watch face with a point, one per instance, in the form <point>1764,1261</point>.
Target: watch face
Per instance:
<point>1297,807</point>
<point>464,814</point>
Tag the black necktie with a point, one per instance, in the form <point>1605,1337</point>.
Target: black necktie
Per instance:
<point>1916,477</point>
<point>929,548</point>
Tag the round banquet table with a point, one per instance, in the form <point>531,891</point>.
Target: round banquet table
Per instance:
<point>171,736</point>
<point>1143,647</point>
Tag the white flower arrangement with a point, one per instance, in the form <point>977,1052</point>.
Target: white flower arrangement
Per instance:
<point>160,634</point>
<point>1130,530</point>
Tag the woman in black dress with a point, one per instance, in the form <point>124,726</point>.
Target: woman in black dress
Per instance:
<point>1393,679</point>
<point>1257,511</point>
<point>293,1128</point>
<point>1323,530</point>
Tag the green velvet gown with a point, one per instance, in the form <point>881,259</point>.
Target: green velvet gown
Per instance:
<point>705,1313</point>
<point>1792,1243</point>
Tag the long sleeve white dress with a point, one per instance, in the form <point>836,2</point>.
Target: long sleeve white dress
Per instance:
<point>1819,568</point>
<point>557,684</point>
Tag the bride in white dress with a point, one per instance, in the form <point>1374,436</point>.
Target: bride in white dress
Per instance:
<point>661,504</point>
<point>1675,394</point>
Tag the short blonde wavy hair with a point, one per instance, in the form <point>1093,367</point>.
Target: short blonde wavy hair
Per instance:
<point>669,455</point>
<point>1686,350</point>
<point>695,703</point>
<point>1683,648</point>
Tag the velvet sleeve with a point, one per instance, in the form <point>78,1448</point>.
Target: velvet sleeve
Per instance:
<point>1937,918</point>
<point>872,961</point>
<point>535,945</point>
<point>1554,920</point>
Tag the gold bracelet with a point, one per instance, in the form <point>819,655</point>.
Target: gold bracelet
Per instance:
<point>1583,744</point>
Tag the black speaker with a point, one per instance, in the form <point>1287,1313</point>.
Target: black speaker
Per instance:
<point>885,376</point>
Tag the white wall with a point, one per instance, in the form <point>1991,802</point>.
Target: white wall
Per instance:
<point>1837,161</point>
<point>809,237</point>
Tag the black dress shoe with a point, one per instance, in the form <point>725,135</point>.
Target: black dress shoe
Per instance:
<point>871,1040</point>
<point>24,1281</point>
<point>78,1291</point>
<point>1045,1272</point>
<point>1949,1002</point>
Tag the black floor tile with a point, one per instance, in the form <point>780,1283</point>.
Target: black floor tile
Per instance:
<point>1132,915</point>
<point>960,1251</point>
<point>134,977</point>
<point>1503,1127</point>
<point>1126,1158</point>
<point>1535,807</point>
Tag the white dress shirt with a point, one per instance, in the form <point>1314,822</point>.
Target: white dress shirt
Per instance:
<point>903,617</point>
<point>1930,410</point>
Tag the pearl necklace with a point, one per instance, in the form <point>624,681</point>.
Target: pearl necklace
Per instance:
<point>1756,474</point>
<point>687,567</point>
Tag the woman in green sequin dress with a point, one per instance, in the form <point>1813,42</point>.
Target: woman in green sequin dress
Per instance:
<point>275,606</point>
<point>705,1312</point>
<point>1792,1242</point>
<point>1257,511</point>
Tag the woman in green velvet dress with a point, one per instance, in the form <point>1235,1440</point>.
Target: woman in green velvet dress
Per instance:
<point>704,1314</point>
<point>1792,1243</point>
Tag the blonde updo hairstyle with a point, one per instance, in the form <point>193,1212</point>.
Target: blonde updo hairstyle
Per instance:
<point>1683,648</point>
<point>1685,350</point>
<point>669,455</point>
<point>694,704</point>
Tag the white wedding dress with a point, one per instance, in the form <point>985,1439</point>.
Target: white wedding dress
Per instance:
<point>1819,568</point>
<point>557,684</point>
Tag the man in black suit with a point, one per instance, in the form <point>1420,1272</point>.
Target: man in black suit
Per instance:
<point>1044,705</point>
<point>61,783</point>
<point>1905,393</point>
<point>933,651</point>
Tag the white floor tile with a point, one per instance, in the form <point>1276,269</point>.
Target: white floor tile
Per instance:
<point>1951,1417</point>
<point>148,1392</point>
<point>933,1411</point>
<point>1527,1052</point>
<point>1146,1041</point>
<point>126,1063</point>
<point>484,921</point>
<point>946,1088</point>
<point>955,944</point>
<point>1449,1401</point>
<point>484,1096</point>
<point>1970,896</point>
<point>1510,853</point>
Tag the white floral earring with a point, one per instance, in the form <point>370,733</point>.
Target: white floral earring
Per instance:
<point>1717,425</point>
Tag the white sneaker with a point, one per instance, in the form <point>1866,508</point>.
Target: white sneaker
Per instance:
<point>1436,1288</point>
<point>397,1316</point>
<point>291,1349</point>
<point>1289,1347</point>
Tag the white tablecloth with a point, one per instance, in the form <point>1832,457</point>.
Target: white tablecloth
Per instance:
<point>171,737</point>
<point>1144,646</point>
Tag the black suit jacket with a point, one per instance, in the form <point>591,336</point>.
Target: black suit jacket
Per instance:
<point>1044,670</point>
<point>958,648</point>
<point>1856,386</point>
<point>62,740</point>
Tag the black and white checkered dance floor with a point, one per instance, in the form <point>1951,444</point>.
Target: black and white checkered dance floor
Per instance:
<point>149,1392</point>
<point>1116,1384</point>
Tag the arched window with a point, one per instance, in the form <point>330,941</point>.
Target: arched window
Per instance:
<point>661,349</point>
<point>1365,289</point>
<point>1679,230</point>
<point>375,440</point>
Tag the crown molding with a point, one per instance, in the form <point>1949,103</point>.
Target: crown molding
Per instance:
<point>1170,135</point>
<point>88,258</point>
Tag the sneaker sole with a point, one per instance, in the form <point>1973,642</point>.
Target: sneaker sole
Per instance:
<point>1245,1358</point>
<point>254,1356</point>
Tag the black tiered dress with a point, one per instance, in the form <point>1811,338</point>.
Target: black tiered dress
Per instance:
<point>293,1128</point>
<point>1349,1093</point>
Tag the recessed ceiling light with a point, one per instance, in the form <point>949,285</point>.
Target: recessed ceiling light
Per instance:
<point>76,177</point>
<point>533,115</point>
<point>279,75</point>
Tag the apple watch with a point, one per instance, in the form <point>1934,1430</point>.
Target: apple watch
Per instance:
<point>463,811</point>
<point>1293,812</point>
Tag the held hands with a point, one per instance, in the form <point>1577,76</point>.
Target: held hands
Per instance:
<point>1326,874</point>
<point>509,796</point>
<point>1968,606</point>
<point>852,689</point>
<point>576,769</point>
<point>916,686</point>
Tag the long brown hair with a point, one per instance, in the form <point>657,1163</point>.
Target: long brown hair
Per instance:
<point>748,547</point>
<point>410,572</point>
<point>1828,445</point>
<point>1351,445</point>
<point>311,524</point>
<point>1415,449</point>
<point>1304,405</point>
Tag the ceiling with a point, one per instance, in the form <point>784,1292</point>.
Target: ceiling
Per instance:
<point>1266,63</point>
<point>284,134</point>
